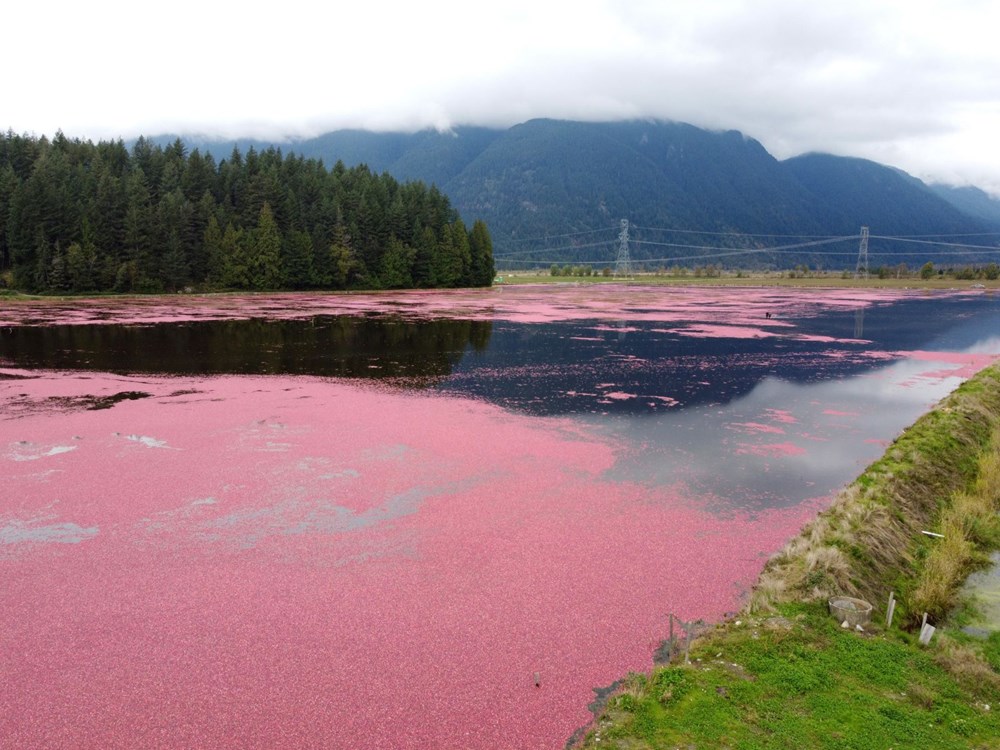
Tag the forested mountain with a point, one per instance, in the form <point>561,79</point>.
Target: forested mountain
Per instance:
<point>971,201</point>
<point>549,178</point>
<point>77,216</point>
<point>850,191</point>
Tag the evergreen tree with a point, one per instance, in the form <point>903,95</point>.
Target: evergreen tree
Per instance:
<point>37,277</point>
<point>79,268</point>
<point>234,259</point>
<point>344,267</point>
<point>395,270</point>
<point>174,267</point>
<point>127,277</point>
<point>138,217</point>
<point>298,260</point>
<point>58,278</point>
<point>264,252</point>
<point>198,176</point>
<point>446,264</point>
<point>211,250</point>
<point>423,263</point>
<point>481,251</point>
<point>9,184</point>
<point>107,215</point>
<point>461,253</point>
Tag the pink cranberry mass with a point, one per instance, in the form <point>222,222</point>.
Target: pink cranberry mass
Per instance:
<point>263,562</point>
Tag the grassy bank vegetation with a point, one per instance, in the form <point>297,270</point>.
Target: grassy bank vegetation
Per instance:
<point>784,674</point>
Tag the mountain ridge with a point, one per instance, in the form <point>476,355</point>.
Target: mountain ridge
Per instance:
<point>552,178</point>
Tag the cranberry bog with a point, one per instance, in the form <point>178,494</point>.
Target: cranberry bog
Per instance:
<point>419,519</point>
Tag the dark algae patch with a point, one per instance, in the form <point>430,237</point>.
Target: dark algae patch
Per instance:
<point>24,405</point>
<point>106,402</point>
<point>812,683</point>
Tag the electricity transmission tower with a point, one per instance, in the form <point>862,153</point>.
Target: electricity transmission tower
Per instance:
<point>623,264</point>
<point>862,267</point>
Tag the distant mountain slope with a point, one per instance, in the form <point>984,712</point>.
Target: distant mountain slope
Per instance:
<point>549,178</point>
<point>438,158</point>
<point>852,192</point>
<point>971,201</point>
<point>428,155</point>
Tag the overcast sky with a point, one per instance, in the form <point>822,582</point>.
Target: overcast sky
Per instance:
<point>910,83</point>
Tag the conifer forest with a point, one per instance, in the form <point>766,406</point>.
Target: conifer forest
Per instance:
<point>81,217</point>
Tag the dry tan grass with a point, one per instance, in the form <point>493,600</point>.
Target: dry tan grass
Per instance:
<point>968,521</point>
<point>941,576</point>
<point>967,666</point>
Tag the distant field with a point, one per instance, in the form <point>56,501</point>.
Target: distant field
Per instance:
<point>763,279</point>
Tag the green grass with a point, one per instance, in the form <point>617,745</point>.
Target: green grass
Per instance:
<point>813,685</point>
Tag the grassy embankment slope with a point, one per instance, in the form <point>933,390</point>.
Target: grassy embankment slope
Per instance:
<point>784,674</point>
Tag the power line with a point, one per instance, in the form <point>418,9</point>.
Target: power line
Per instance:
<point>713,256</point>
<point>624,262</point>
<point>726,234</point>
<point>965,234</point>
<point>710,256</point>
<point>930,242</point>
<point>721,252</point>
<point>812,243</point>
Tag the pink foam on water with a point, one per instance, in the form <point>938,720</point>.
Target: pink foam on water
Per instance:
<point>756,427</point>
<point>722,331</point>
<point>781,416</point>
<point>728,312</point>
<point>668,400</point>
<point>966,365</point>
<point>817,339</point>
<point>771,449</point>
<point>296,562</point>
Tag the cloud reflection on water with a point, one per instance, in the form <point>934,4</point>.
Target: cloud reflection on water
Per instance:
<point>840,426</point>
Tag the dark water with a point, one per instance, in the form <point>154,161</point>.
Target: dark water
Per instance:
<point>334,346</point>
<point>589,367</point>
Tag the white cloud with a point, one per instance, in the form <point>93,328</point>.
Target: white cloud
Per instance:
<point>915,84</point>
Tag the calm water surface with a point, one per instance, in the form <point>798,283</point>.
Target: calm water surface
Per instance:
<point>789,417</point>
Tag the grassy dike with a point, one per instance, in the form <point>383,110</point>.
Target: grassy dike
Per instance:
<point>784,674</point>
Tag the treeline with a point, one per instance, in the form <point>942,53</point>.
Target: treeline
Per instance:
<point>79,217</point>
